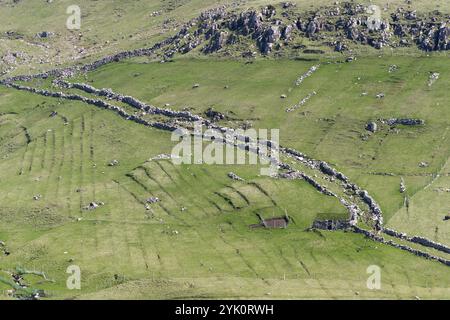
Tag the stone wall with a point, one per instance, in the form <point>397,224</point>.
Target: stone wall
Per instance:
<point>399,246</point>
<point>419,240</point>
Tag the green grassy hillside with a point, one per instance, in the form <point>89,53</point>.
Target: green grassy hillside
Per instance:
<point>196,242</point>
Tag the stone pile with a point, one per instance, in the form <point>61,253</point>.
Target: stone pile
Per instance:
<point>308,73</point>
<point>113,163</point>
<point>234,176</point>
<point>214,115</point>
<point>372,127</point>
<point>434,76</point>
<point>402,186</point>
<point>302,102</point>
<point>93,205</point>
<point>4,249</point>
<point>152,200</point>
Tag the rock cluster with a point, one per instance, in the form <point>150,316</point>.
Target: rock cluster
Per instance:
<point>402,186</point>
<point>234,176</point>
<point>214,115</point>
<point>113,163</point>
<point>94,205</point>
<point>372,127</point>
<point>152,200</point>
<point>306,74</point>
<point>434,76</point>
<point>302,102</point>
<point>346,22</point>
<point>333,24</point>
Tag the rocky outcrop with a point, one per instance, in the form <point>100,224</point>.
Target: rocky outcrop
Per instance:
<point>434,76</point>
<point>346,21</point>
<point>217,42</point>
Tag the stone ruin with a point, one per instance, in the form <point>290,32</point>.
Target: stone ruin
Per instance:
<point>331,225</point>
<point>272,223</point>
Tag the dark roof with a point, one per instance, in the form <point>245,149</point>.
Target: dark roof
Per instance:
<point>279,222</point>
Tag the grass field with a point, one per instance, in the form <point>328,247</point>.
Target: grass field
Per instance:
<point>331,124</point>
<point>196,243</point>
<point>207,250</point>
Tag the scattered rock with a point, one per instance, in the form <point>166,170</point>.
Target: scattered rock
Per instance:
<point>423,164</point>
<point>94,205</point>
<point>152,200</point>
<point>307,74</point>
<point>393,68</point>
<point>402,186</point>
<point>45,34</point>
<point>372,127</point>
<point>434,76</point>
<point>302,102</point>
<point>234,176</point>
<point>161,157</point>
<point>403,121</point>
<point>113,163</point>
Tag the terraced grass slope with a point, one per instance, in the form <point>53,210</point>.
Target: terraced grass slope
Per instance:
<point>204,251</point>
<point>182,231</point>
<point>197,238</point>
<point>331,125</point>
